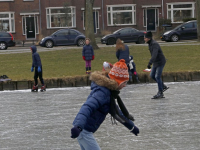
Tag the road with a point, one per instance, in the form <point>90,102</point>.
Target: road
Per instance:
<point>26,49</point>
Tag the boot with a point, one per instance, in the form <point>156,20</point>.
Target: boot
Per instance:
<point>89,70</point>
<point>43,88</point>
<point>86,68</point>
<point>137,79</point>
<point>159,95</point>
<point>35,88</point>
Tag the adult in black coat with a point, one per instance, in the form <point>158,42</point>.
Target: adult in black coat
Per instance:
<point>158,60</point>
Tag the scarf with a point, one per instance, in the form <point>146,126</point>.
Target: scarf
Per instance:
<point>119,112</point>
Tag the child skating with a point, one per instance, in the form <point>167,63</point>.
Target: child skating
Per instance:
<point>88,55</point>
<point>132,70</point>
<point>38,69</point>
<point>105,88</point>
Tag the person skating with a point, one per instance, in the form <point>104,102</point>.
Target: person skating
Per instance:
<point>158,60</point>
<point>38,69</point>
<point>132,71</point>
<point>88,55</point>
<point>122,52</point>
<point>105,88</point>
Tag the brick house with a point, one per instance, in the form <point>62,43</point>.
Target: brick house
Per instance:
<point>33,19</point>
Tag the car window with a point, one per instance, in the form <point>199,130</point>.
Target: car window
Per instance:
<point>125,31</point>
<point>73,32</point>
<point>188,25</point>
<point>4,34</point>
<point>133,30</point>
<point>195,24</point>
<point>62,33</point>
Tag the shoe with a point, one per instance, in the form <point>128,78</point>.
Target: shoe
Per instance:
<point>137,79</point>
<point>159,95</point>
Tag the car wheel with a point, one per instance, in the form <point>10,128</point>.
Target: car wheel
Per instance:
<point>49,44</point>
<point>111,41</point>
<point>140,40</point>
<point>81,42</point>
<point>3,46</point>
<point>174,38</point>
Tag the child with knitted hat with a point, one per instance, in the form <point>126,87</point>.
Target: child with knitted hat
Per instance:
<point>105,88</point>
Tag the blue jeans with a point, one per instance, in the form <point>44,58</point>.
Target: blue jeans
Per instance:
<point>156,73</point>
<point>87,141</point>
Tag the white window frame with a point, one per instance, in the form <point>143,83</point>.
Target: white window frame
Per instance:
<point>179,3</point>
<point>6,0</point>
<point>49,15</point>
<point>125,5</point>
<point>10,20</point>
<point>28,0</point>
<point>24,25</point>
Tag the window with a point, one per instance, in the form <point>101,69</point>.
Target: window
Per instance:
<point>121,14</point>
<point>59,17</point>
<point>178,11</point>
<point>62,33</point>
<point>73,32</point>
<point>7,21</point>
<point>188,25</point>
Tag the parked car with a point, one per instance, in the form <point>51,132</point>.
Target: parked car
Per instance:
<point>125,34</point>
<point>185,31</point>
<point>64,37</point>
<point>6,40</point>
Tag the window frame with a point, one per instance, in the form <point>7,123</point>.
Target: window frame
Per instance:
<point>37,30</point>
<point>49,14</point>
<point>179,3</point>
<point>10,18</point>
<point>111,14</point>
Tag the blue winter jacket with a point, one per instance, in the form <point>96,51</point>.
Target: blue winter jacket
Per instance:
<point>35,57</point>
<point>88,52</point>
<point>123,54</point>
<point>93,112</point>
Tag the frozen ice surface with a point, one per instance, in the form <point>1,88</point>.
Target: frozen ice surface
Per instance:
<point>43,120</point>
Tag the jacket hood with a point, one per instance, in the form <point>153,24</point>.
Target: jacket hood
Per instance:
<point>34,48</point>
<point>102,79</point>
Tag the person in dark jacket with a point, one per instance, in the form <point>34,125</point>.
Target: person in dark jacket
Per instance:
<point>158,60</point>
<point>88,55</point>
<point>38,68</point>
<point>99,103</point>
<point>122,51</point>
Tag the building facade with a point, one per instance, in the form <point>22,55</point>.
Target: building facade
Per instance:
<point>34,19</point>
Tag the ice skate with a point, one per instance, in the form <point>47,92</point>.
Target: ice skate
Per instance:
<point>43,88</point>
<point>158,95</point>
<point>34,89</point>
<point>137,79</point>
<point>165,88</point>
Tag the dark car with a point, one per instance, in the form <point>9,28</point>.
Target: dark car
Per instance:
<point>64,37</point>
<point>185,31</point>
<point>6,40</point>
<point>125,34</point>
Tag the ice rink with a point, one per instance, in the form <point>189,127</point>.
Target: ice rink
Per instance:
<point>43,120</point>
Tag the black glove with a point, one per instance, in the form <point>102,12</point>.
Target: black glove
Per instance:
<point>75,131</point>
<point>149,66</point>
<point>135,130</point>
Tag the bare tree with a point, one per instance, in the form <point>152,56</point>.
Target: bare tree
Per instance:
<point>89,25</point>
<point>198,18</point>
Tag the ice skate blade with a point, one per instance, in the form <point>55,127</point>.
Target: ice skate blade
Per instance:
<point>34,90</point>
<point>42,90</point>
<point>157,97</point>
<point>166,89</point>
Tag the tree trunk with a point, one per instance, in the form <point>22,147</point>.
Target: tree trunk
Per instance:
<point>89,25</point>
<point>198,18</point>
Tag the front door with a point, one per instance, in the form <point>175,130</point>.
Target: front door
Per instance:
<point>151,19</point>
<point>30,28</point>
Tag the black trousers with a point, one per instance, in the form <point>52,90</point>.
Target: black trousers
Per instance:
<point>38,74</point>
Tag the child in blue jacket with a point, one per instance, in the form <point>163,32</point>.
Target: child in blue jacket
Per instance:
<point>105,88</point>
<point>88,55</point>
<point>38,69</point>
